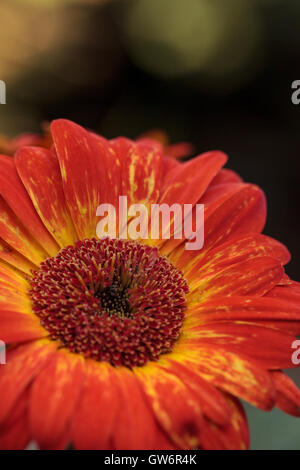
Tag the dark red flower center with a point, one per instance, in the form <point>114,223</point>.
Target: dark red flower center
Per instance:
<point>111,300</point>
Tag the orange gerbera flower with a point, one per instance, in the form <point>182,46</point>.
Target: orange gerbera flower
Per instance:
<point>121,344</point>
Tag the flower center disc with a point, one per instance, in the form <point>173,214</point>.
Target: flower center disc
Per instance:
<point>111,300</point>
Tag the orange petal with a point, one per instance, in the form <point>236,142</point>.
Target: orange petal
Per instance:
<point>84,160</point>
<point>226,176</point>
<point>13,299</point>
<point>230,210</point>
<point>53,398</point>
<point>136,427</point>
<point>270,347</point>
<point>234,436</point>
<point>15,437</point>
<point>179,150</point>
<point>9,276</point>
<point>39,171</point>
<point>16,327</point>
<point>260,310</point>
<point>14,259</point>
<point>242,213</point>
<point>110,155</point>
<point>14,193</point>
<point>213,198</point>
<point>234,373</point>
<point>253,277</point>
<point>13,232</point>
<point>232,252</point>
<point>175,406</point>
<point>211,400</point>
<point>141,173</point>
<point>17,322</point>
<point>23,364</point>
<point>288,394</point>
<point>14,431</point>
<point>96,412</point>
<point>289,293</point>
<point>185,184</point>
<point>168,164</point>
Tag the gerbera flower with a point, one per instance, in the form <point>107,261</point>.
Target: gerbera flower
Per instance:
<point>121,344</point>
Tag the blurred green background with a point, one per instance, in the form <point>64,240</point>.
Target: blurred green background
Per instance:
<point>217,73</point>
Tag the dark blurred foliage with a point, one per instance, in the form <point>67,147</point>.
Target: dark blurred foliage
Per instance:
<point>215,73</point>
